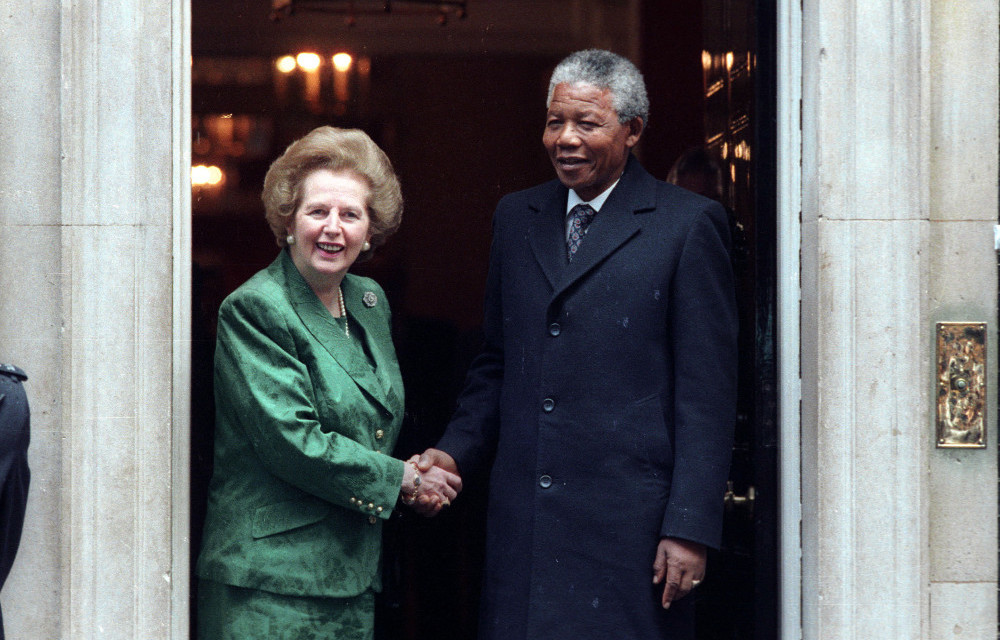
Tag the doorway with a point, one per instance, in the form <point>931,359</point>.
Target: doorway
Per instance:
<point>462,125</point>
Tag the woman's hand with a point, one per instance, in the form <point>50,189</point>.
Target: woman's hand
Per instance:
<point>434,490</point>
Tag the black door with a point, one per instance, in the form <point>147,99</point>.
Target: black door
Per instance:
<point>740,598</point>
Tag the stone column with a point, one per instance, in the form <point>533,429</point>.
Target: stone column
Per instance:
<point>31,297</point>
<point>865,255</point>
<point>91,187</point>
<point>887,245</point>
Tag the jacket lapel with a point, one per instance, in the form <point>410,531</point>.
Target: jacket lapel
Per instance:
<point>371,316</point>
<point>325,329</point>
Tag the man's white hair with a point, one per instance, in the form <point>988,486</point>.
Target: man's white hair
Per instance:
<point>605,70</point>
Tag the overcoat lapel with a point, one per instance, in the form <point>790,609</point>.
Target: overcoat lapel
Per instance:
<point>617,222</point>
<point>548,234</point>
<point>329,333</point>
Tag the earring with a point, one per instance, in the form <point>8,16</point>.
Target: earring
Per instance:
<point>289,239</point>
<point>366,246</point>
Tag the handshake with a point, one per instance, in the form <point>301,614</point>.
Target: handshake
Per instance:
<point>430,482</point>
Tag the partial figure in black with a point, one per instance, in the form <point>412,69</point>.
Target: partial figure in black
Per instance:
<point>14,435</point>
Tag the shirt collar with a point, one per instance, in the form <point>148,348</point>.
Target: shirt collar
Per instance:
<point>595,204</point>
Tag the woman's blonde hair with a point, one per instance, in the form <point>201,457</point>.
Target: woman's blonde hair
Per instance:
<point>336,150</point>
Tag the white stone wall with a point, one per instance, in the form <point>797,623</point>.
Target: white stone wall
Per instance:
<point>962,82</point>
<point>899,202</point>
<point>90,165</point>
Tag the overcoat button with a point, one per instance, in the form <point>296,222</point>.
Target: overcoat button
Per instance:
<point>554,329</point>
<point>372,519</point>
<point>379,434</point>
<point>545,482</point>
<point>548,405</point>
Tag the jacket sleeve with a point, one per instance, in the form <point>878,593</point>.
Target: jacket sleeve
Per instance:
<point>703,332</point>
<point>266,389</point>
<point>471,435</point>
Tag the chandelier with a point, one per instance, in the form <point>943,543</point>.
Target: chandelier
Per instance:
<point>441,9</point>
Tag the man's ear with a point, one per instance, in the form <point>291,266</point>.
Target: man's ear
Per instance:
<point>635,127</point>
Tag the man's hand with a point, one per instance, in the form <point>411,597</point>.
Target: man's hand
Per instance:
<point>681,564</point>
<point>439,471</point>
<point>437,458</point>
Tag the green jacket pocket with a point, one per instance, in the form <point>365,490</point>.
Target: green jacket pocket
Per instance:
<point>286,516</point>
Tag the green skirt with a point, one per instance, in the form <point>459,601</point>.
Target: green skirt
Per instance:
<point>226,612</point>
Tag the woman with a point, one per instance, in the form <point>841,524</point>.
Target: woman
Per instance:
<point>309,403</point>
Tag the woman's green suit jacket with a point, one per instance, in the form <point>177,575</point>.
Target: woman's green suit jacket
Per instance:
<point>304,428</point>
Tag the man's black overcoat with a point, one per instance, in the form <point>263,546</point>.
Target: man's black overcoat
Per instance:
<point>602,404</point>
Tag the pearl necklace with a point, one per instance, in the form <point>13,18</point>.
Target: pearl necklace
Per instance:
<point>343,311</point>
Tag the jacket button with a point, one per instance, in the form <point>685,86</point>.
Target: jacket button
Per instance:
<point>379,434</point>
<point>372,519</point>
<point>548,405</point>
<point>545,481</point>
<point>554,329</point>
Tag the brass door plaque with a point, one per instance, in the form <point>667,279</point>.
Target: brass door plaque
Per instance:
<point>961,384</point>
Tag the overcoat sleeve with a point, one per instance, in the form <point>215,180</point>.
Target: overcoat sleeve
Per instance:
<point>703,333</point>
<point>262,381</point>
<point>471,436</point>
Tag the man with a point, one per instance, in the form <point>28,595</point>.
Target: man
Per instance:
<point>604,398</point>
<point>14,474</point>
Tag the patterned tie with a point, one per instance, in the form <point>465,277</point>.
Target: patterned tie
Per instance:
<point>579,219</point>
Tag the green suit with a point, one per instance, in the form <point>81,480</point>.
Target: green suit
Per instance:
<point>304,427</point>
